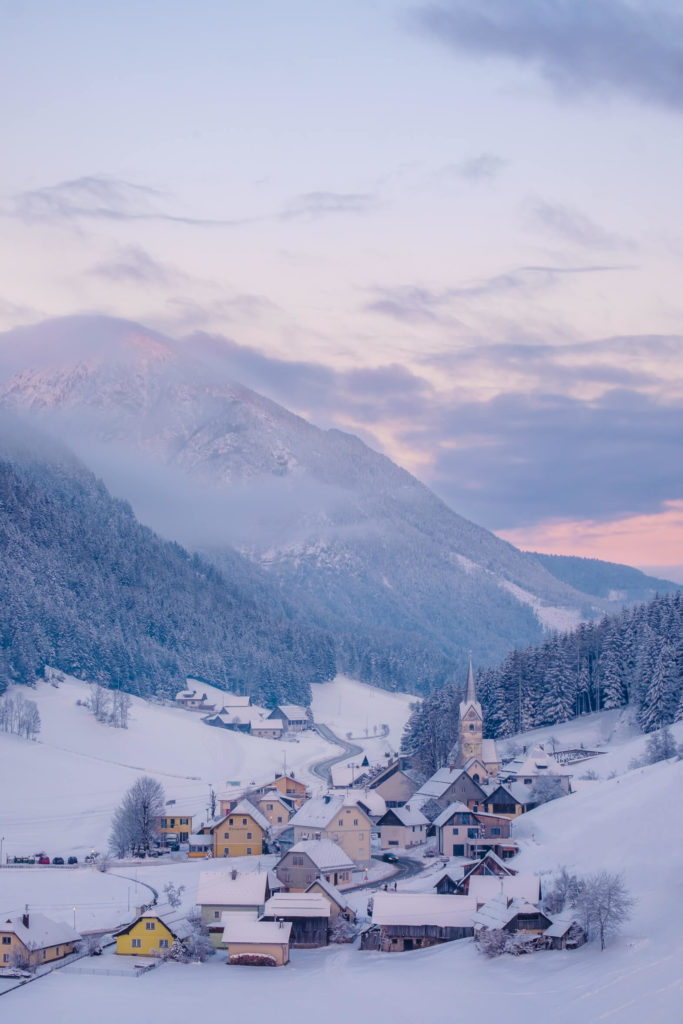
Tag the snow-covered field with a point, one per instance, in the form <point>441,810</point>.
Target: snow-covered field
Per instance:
<point>65,786</point>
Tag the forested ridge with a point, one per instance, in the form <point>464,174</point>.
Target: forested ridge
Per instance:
<point>86,588</point>
<point>634,658</point>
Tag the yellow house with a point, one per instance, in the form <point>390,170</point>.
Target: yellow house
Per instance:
<point>335,817</point>
<point>179,825</point>
<point>34,939</point>
<point>152,932</point>
<point>288,786</point>
<point>241,832</point>
<point>275,808</point>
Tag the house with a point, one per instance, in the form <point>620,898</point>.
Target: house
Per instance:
<point>293,717</point>
<point>222,892</point>
<point>287,786</point>
<point>179,825</point>
<point>268,729</point>
<point>34,939</point>
<point>527,769</point>
<point>485,887</point>
<point>192,700</point>
<point>153,931</point>
<point>489,864</point>
<point>393,784</point>
<point>449,882</point>
<point>241,833</point>
<point>234,720</point>
<point>448,785</point>
<point>510,800</point>
<point>200,845</point>
<point>457,831</point>
<point>308,913</point>
<point>402,826</point>
<point>338,906</point>
<point>565,932</point>
<point>403,921</point>
<point>511,915</point>
<point>311,859</point>
<point>245,937</point>
<point>276,808</point>
<point>334,817</point>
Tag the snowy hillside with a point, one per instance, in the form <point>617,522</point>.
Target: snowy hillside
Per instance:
<point>357,545</point>
<point>625,824</point>
<point>84,766</point>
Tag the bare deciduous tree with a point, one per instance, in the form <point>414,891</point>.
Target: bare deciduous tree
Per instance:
<point>135,824</point>
<point>604,903</point>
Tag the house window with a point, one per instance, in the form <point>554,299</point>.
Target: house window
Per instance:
<point>244,821</point>
<point>150,926</point>
<point>455,831</point>
<point>226,835</point>
<point>361,835</point>
<point>5,958</point>
<point>163,823</point>
<point>495,831</point>
<point>230,821</point>
<point>136,943</point>
<point>279,820</point>
<point>297,859</point>
<point>6,940</point>
<point>471,728</point>
<point>216,913</point>
<point>248,850</point>
<point>163,943</point>
<point>172,822</point>
<point>472,833</point>
<point>57,951</point>
<point>355,821</point>
<point>248,835</point>
<point>184,821</point>
<point>226,852</point>
<point>341,821</point>
<point>269,806</point>
<point>44,954</point>
<point>527,782</point>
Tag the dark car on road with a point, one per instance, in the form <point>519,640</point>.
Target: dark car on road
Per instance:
<point>390,858</point>
<point>57,860</point>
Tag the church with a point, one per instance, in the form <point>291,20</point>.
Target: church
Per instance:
<point>479,757</point>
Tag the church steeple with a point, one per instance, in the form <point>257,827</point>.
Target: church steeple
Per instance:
<point>471,694</point>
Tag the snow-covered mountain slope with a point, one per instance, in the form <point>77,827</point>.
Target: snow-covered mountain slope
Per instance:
<point>358,545</point>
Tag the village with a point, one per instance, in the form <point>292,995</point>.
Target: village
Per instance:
<point>377,858</point>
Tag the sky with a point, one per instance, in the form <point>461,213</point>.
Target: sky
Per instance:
<point>453,228</point>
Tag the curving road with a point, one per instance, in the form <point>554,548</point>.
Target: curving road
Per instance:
<point>322,768</point>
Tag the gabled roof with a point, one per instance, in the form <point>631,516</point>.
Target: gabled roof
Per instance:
<point>489,752</point>
<point>172,918</point>
<point>453,874</point>
<point>331,891</point>
<point>246,928</point>
<point>402,908</point>
<point>537,762</point>
<point>219,888</point>
<point>500,910</point>
<point>292,712</point>
<point>41,931</point>
<point>325,854</point>
<point>485,887</point>
<point>297,904</point>
<point>319,812</point>
<point>457,807</point>
<point>246,808</point>
<point>268,723</point>
<point>407,815</point>
<point>491,856</point>
<point>442,779</point>
<point>561,924</point>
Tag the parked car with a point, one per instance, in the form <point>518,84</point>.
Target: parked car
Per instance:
<point>390,857</point>
<point>43,859</point>
<point>57,860</point>
<point>72,860</point>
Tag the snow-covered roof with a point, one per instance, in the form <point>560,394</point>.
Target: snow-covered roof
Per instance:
<point>499,910</point>
<point>41,931</point>
<point>325,854</point>
<point>297,904</point>
<point>219,888</point>
<point>331,891</point>
<point>455,874</point>
<point>236,700</point>
<point>370,799</point>
<point>185,694</point>
<point>318,812</point>
<point>491,856</point>
<point>268,723</point>
<point>293,712</point>
<point>561,924</point>
<point>537,762</point>
<point>248,929</point>
<point>201,840</point>
<point>485,887</point>
<point>245,807</point>
<point>408,815</point>
<point>439,782</point>
<point>344,775</point>
<point>457,807</point>
<point>489,752</point>
<point>397,908</point>
<point>273,796</point>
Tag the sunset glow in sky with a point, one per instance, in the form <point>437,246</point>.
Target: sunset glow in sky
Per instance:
<point>453,228</point>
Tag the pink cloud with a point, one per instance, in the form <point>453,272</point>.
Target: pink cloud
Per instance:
<point>651,540</point>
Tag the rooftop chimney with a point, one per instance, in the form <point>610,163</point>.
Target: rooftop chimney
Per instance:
<point>24,917</point>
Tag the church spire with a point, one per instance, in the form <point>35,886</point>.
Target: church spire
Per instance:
<point>471,696</point>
